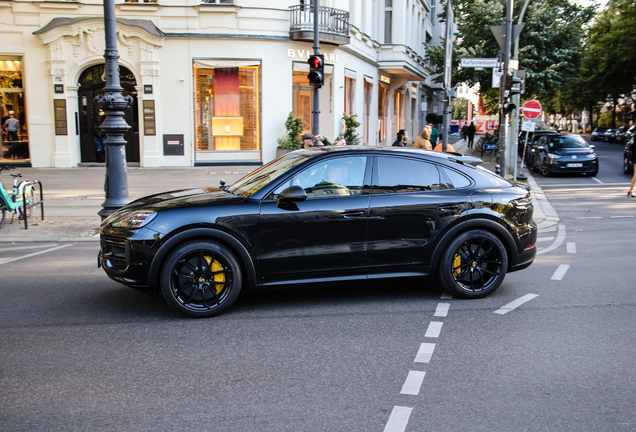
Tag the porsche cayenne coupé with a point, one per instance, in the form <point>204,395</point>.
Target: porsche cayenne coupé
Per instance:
<point>324,215</point>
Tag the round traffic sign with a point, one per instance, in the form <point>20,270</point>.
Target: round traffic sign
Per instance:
<point>531,109</point>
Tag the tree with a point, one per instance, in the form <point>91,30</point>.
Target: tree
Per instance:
<point>460,108</point>
<point>293,127</point>
<point>351,134</point>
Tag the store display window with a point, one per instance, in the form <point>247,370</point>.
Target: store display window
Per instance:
<point>15,136</point>
<point>227,105</point>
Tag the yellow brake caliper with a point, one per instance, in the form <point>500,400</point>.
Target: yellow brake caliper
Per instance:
<point>457,262</point>
<point>216,266</point>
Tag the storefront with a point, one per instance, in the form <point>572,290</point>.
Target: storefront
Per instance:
<point>13,115</point>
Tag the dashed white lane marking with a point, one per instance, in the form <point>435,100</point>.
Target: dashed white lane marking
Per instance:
<point>19,248</point>
<point>434,329</point>
<point>34,254</point>
<point>545,238</point>
<point>446,296</point>
<point>413,383</point>
<point>425,353</point>
<point>620,217</point>
<point>5,259</point>
<point>442,309</point>
<point>590,217</point>
<point>597,180</point>
<point>398,419</point>
<point>559,239</point>
<point>560,272</point>
<point>570,247</point>
<point>515,304</point>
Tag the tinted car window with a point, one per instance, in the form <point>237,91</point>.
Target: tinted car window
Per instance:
<point>457,180</point>
<point>567,141</point>
<point>396,175</point>
<point>328,178</point>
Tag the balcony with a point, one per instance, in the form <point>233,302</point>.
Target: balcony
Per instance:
<point>333,24</point>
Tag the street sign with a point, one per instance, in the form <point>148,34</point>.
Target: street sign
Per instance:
<point>479,62</point>
<point>497,32</point>
<point>497,72</point>
<point>528,126</point>
<point>531,109</point>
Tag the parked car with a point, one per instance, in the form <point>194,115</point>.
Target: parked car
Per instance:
<point>533,139</point>
<point>628,165</point>
<point>326,215</point>
<point>610,135</point>
<point>598,134</point>
<point>624,134</point>
<point>564,154</point>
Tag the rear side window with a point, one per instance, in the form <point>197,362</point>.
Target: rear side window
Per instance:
<point>457,180</point>
<point>400,175</point>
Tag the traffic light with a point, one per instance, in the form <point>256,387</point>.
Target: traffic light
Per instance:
<point>512,85</point>
<point>316,70</point>
<point>508,107</point>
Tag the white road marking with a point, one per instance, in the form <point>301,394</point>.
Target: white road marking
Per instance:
<point>398,419</point>
<point>17,248</point>
<point>560,272</point>
<point>545,238</point>
<point>413,383</point>
<point>559,239</point>
<point>597,180</point>
<point>442,309</point>
<point>619,217</point>
<point>590,217</point>
<point>515,304</point>
<point>570,247</point>
<point>2,260</point>
<point>434,329</point>
<point>425,353</point>
<point>35,253</point>
<point>549,229</point>
<point>583,185</point>
<point>446,296</point>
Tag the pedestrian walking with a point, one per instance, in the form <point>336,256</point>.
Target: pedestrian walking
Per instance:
<point>423,141</point>
<point>630,193</point>
<point>402,136</point>
<point>464,132</point>
<point>471,134</point>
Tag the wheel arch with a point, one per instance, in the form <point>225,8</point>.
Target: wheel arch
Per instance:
<point>489,225</point>
<point>226,239</point>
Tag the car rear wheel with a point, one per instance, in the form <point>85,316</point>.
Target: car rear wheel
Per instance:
<point>474,264</point>
<point>627,167</point>
<point>545,169</point>
<point>201,278</point>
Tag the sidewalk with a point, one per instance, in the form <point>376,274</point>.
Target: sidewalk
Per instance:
<point>73,196</point>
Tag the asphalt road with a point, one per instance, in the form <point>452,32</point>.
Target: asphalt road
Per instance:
<point>81,352</point>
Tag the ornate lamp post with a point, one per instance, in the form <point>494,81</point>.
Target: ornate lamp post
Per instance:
<point>113,103</point>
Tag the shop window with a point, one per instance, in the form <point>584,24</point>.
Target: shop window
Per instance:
<point>397,111</point>
<point>350,87</point>
<point>368,87</point>
<point>303,99</point>
<point>383,112</point>
<point>15,137</point>
<point>226,106</point>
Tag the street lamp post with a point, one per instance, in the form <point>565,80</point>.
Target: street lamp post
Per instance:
<point>113,103</point>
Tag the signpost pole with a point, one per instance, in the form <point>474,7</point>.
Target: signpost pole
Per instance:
<point>315,130</point>
<point>448,62</point>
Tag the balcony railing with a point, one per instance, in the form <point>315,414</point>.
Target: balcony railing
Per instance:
<point>333,24</point>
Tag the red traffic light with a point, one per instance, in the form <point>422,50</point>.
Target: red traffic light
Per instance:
<point>316,70</point>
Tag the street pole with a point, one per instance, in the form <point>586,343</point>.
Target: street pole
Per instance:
<point>503,118</point>
<point>316,112</point>
<point>113,103</point>
<point>448,64</point>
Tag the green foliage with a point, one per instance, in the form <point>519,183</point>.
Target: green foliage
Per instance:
<point>294,126</point>
<point>460,108</point>
<point>350,134</point>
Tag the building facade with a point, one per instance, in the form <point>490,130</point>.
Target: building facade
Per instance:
<point>212,81</point>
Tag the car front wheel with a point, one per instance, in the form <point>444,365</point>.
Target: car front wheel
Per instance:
<point>545,169</point>
<point>201,278</point>
<point>474,264</point>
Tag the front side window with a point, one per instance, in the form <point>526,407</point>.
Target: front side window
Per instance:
<point>399,175</point>
<point>342,176</point>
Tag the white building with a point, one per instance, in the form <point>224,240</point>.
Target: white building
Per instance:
<point>214,81</point>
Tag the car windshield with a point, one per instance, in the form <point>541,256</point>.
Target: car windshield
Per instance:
<point>567,141</point>
<point>253,182</point>
<point>601,129</point>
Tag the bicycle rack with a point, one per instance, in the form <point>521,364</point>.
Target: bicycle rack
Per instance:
<point>33,203</point>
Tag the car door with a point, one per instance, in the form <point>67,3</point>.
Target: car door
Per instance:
<point>411,205</point>
<point>323,236</point>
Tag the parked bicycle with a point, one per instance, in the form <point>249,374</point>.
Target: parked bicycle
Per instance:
<point>21,200</point>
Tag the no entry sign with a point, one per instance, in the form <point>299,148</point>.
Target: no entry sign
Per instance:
<point>531,109</point>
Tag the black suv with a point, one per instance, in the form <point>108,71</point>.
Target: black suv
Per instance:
<point>564,154</point>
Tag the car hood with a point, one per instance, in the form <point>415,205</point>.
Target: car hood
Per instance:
<point>184,198</point>
<point>572,151</point>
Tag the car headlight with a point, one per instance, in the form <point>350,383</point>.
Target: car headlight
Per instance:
<point>592,156</point>
<point>553,156</point>
<point>134,220</point>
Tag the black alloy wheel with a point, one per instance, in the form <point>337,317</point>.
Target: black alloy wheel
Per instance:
<point>201,279</point>
<point>545,169</point>
<point>474,264</point>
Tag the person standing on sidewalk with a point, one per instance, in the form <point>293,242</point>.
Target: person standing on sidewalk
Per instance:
<point>424,140</point>
<point>402,136</point>
<point>434,135</point>
<point>471,134</point>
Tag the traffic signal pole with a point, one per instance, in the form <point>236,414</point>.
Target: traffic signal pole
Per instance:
<point>504,134</point>
<point>316,112</point>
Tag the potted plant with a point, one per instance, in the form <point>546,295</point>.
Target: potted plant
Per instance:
<point>290,142</point>
<point>350,133</point>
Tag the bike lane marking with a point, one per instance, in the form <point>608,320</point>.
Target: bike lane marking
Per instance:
<point>34,254</point>
<point>413,383</point>
<point>434,329</point>
<point>398,419</point>
<point>515,304</point>
<point>560,272</point>
<point>559,240</point>
<point>442,310</point>
<point>570,247</point>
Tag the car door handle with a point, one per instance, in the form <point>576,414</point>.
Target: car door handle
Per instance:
<point>449,208</point>
<point>352,215</point>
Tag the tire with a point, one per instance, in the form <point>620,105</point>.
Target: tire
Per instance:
<point>3,216</point>
<point>545,171</point>
<point>201,278</point>
<point>593,173</point>
<point>627,167</point>
<point>474,264</point>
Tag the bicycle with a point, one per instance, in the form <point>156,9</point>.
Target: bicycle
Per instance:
<point>21,200</point>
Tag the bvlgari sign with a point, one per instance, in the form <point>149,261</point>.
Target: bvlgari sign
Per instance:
<point>304,54</point>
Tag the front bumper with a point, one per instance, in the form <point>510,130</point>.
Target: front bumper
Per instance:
<point>573,166</point>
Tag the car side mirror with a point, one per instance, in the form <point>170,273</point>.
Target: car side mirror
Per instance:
<point>541,147</point>
<point>290,196</point>
<point>592,146</point>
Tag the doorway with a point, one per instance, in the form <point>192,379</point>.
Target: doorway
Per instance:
<point>92,83</point>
